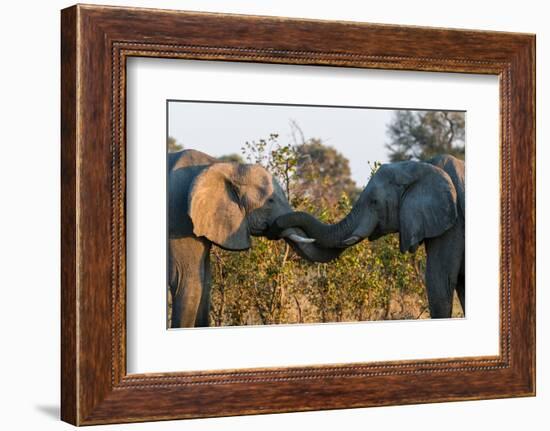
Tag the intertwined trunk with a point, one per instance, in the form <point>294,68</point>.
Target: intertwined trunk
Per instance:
<point>313,252</point>
<point>325,235</point>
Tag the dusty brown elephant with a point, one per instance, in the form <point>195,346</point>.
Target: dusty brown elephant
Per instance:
<point>222,203</point>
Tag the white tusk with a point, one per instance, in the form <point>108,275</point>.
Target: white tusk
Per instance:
<point>297,238</point>
<point>351,240</point>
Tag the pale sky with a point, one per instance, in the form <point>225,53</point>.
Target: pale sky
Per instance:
<point>219,128</point>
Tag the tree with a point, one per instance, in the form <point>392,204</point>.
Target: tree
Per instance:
<point>323,174</point>
<point>306,168</point>
<point>173,145</point>
<point>280,160</point>
<point>421,135</point>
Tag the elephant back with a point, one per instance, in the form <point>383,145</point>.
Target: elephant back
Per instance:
<point>455,169</point>
<point>186,158</point>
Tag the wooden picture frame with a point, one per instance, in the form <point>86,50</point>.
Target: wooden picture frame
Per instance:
<point>95,43</point>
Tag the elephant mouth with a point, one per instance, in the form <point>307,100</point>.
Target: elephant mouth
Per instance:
<point>354,239</point>
<point>374,236</point>
<point>376,233</point>
<point>258,232</point>
<point>262,230</point>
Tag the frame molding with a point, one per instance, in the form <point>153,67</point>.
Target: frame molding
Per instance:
<point>95,42</point>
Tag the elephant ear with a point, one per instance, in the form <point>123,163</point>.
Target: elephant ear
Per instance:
<point>215,209</point>
<point>428,205</point>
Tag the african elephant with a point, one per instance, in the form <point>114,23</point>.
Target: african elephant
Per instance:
<point>424,202</point>
<point>222,203</point>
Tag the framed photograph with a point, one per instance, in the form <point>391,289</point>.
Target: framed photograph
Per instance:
<point>265,214</point>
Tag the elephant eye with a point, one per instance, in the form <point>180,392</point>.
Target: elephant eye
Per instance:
<point>373,201</point>
<point>271,200</point>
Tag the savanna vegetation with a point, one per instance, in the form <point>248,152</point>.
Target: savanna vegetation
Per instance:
<point>270,284</point>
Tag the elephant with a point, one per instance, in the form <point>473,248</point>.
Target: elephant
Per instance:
<point>425,203</point>
<point>221,203</point>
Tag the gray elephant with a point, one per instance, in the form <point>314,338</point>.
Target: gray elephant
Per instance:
<point>424,202</point>
<point>222,203</point>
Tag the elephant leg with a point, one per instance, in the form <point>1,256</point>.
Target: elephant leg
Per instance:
<point>440,291</point>
<point>203,315</point>
<point>461,288</point>
<point>442,270</point>
<point>187,279</point>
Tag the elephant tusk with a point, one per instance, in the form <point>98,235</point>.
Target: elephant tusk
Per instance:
<point>351,240</point>
<point>297,238</point>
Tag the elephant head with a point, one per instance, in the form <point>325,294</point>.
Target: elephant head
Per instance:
<point>416,199</point>
<point>229,202</point>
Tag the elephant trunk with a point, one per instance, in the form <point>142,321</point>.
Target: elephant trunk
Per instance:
<point>326,235</point>
<point>312,252</point>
